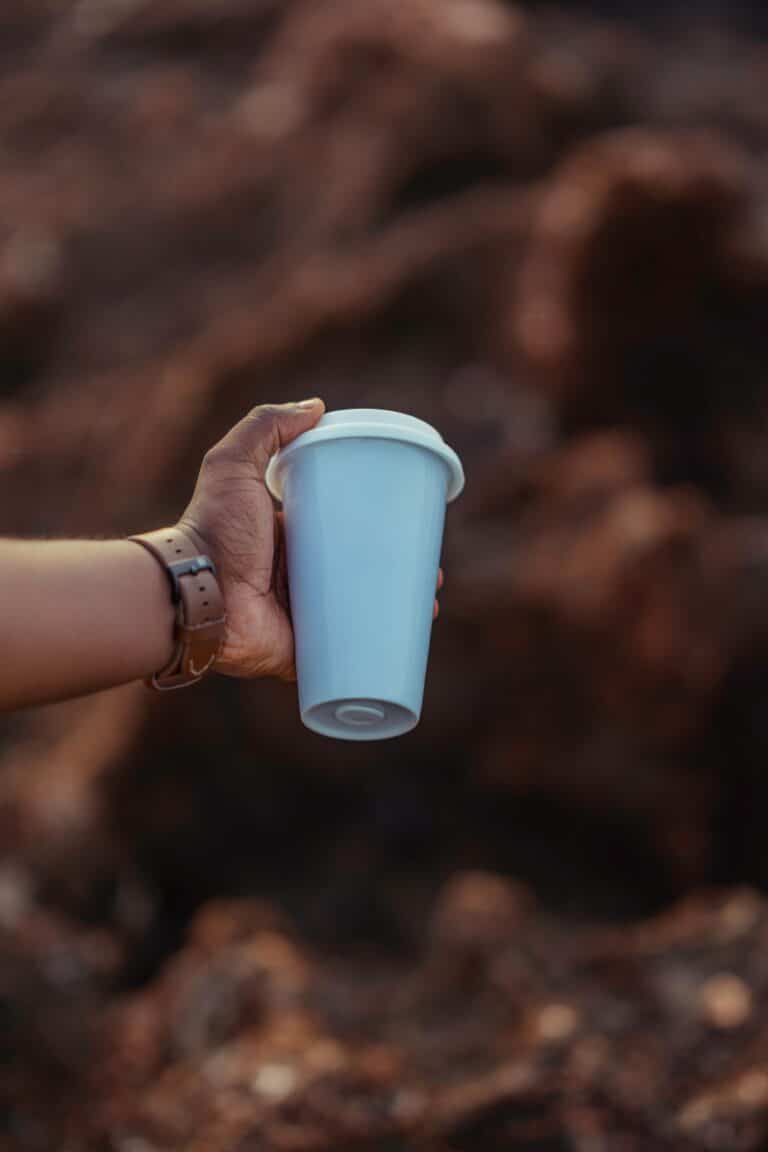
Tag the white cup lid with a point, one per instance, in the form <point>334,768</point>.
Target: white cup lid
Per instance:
<point>376,423</point>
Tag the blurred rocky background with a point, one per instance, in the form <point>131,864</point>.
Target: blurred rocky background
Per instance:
<point>538,922</point>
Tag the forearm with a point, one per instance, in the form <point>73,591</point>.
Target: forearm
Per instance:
<point>79,616</point>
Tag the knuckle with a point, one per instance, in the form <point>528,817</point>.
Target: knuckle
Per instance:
<point>222,454</point>
<point>261,433</point>
<point>265,424</point>
<point>212,459</point>
<point>262,418</point>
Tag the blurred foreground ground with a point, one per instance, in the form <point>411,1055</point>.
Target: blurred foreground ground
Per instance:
<point>546,234</point>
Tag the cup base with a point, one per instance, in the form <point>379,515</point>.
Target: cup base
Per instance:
<point>360,719</point>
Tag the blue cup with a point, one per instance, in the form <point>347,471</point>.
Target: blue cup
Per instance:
<point>364,496</point>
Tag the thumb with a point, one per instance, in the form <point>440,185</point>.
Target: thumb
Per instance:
<point>270,427</point>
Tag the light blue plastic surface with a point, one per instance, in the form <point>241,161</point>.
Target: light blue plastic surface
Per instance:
<point>364,497</point>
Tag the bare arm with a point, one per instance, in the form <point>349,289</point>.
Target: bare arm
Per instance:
<point>78,616</point>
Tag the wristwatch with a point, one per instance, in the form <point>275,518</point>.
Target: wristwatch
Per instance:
<point>200,617</point>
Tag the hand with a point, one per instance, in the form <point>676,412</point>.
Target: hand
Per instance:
<point>233,519</point>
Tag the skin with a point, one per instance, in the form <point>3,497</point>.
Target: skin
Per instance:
<point>82,616</point>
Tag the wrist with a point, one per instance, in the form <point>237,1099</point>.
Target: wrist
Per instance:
<point>196,538</point>
<point>195,595</point>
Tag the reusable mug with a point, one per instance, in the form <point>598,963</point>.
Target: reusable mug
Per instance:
<point>364,496</point>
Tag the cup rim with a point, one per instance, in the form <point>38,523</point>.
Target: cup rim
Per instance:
<point>375,424</point>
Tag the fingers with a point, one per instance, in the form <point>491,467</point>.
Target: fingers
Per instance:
<point>281,565</point>
<point>268,428</point>
<point>440,582</point>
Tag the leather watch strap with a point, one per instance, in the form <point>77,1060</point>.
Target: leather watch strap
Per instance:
<point>200,616</point>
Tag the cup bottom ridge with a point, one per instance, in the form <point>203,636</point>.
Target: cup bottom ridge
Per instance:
<point>360,719</point>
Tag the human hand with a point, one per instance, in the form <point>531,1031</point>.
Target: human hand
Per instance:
<point>233,519</point>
